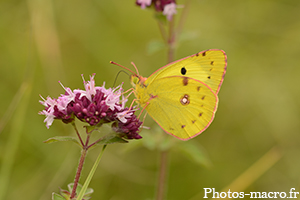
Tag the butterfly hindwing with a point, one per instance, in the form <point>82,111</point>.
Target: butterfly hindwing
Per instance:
<point>182,106</point>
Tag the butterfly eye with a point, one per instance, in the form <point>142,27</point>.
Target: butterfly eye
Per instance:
<point>183,71</point>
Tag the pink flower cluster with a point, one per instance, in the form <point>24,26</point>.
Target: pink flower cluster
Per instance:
<point>94,105</point>
<point>167,7</point>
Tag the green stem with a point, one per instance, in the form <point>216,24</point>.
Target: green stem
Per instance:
<point>90,176</point>
<point>162,31</point>
<point>183,16</point>
<point>171,41</point>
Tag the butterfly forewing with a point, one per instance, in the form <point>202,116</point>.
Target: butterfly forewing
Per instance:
<point>182,106</point>
<point>208,67</point>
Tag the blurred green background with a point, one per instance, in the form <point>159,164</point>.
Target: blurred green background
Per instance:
<point>252,145</point>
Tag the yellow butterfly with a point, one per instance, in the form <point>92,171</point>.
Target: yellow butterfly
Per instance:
<point>182,96</point>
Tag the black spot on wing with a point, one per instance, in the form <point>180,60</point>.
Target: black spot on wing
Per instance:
<point>204,53</point>
<point>183,71</point>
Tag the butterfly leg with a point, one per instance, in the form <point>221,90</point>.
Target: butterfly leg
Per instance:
<point>143,123</point>
<point>130,107</point>
<point>143,118</point>
<point>143,110</point>
<point>131,90</point>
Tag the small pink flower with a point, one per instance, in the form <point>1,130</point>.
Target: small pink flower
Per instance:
<point>143,3</point>
<point>49,118</point>
<point>49,110</point>
<point>95,106</point>
<point>123,115</point>
<point>167,7</point>
<point>170,10</point>
<point>89,88</point>
<point>66,98</point>
<point>113,97</point>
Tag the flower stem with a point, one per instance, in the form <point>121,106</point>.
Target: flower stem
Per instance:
<point>90,176</point>
<point>80,139</point>
<point>183,16</point>
<point>78,173</point>
<point>161,187</point>
<point>162,31</point>
<point>171,41</point>
<point>94,143</point>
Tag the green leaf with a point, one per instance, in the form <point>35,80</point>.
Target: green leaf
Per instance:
<point>195,152</point>
<point>62,139</point>
<point>88,192</point>
<point>90,129</point>
<point>156,138</point>
<point>64,193</point>
<point>56,196</point>
<point>111,139</point>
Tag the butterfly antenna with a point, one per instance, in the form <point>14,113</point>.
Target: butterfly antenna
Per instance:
<point>118,75</point>
<point>111,62</point>
<point>137,71</point>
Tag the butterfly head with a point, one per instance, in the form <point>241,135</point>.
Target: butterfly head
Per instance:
<point>137,80</point>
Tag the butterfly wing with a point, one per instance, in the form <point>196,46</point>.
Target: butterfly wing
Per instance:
<point>182,106</point>
<point>207,66</point>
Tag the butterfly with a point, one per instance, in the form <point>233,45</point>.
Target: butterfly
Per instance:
<point>182,96</point>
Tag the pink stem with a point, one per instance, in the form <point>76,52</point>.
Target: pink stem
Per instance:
<point>78,173</point>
